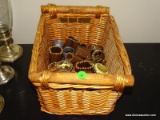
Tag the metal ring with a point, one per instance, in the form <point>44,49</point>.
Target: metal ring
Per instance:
<point>69,56</point>
<point>58,43</point>
<point>64,65</point>
<point>97,56</point>
<point>67,50</point>
<point>95,47</point>
<point>100,68</point>
<point>52,66</point>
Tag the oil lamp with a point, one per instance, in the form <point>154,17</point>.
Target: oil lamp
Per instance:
<point>9,52</point>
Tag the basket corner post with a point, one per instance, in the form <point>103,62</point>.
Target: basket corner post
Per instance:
<point>123,81</point>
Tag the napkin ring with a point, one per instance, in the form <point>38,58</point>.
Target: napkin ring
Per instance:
<point>100,68</point>
<point>85,65</point>
<point>72,42</point>
<point>97,56</point>
<point>73,58</point>
<point>55,53</point>
<point>69,56</point>
<point>64,66</point>
<point>58,43</point>
<point>83,52</point>
<point>52,66</point>
<point>95,47</point>
<point>67,50</point>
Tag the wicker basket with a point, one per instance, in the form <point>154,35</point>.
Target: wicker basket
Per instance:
<point>64,93</point>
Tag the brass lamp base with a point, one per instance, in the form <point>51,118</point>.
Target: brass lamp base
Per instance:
<point>6,74</point>
<point>1,103</point>
<point>10,53</point>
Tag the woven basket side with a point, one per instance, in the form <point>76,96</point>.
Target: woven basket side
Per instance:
<point>121,48</point>
<point>43,56</point>
<point>97,35</point>
<point>35,51</point>
<point>91,28</point>
<point>72,101</point>
<point>113,59</point>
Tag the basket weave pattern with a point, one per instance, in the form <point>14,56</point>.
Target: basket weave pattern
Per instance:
<point>59,93</point>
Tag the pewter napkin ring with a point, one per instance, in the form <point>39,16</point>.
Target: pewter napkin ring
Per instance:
<point>58,43</point>
<point>67,50</point>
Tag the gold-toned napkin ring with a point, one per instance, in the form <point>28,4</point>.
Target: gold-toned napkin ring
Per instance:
<point>98,56</point>
<point>52,66</point>
<point>100,68</point>
<point>95,47</point>
<point>64,66</point>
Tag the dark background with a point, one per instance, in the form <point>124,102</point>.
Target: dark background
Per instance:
<point>21,102</point>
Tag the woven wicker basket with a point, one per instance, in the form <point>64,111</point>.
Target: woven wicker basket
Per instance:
<point>64,93</point>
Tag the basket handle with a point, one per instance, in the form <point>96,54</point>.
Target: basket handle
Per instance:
<point>119,81</point>
<point>53,9</point>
